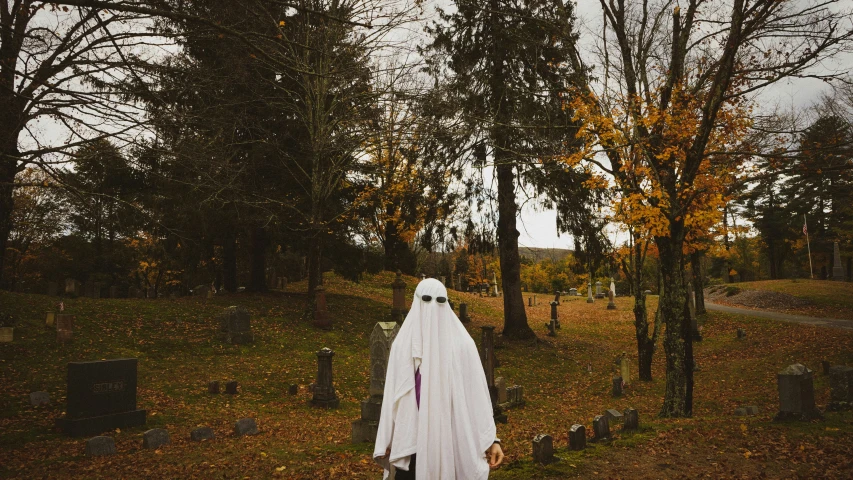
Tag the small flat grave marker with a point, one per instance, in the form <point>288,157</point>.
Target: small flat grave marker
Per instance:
<point>39,398</point>
<point>97,446</point>
<point>155,438</point>
<point>245,426</point>
<point>202,433</point>
<point>231,387</point>
<point>213,387</point>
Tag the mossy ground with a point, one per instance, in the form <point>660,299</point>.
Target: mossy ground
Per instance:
<point>566,381</point>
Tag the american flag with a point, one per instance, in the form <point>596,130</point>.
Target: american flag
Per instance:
<point>805,230</point>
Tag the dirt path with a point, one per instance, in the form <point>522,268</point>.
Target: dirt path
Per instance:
<point>783,317</point>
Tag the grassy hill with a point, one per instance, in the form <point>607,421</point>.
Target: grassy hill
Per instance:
<point>566,379</point>
<point>820,298</point>
<point>538,254</point>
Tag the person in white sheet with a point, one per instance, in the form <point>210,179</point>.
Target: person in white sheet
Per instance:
<point>436,420</point>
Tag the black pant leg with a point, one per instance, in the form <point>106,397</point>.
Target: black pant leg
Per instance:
<point>407,475</point>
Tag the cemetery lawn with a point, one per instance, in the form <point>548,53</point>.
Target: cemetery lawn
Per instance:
<point>816,298</point>
<point>566,380</point>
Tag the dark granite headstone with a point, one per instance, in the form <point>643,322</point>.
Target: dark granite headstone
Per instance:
<point>543,449</point>
<point>231,387</point>
<point>601,428</point>
<point>293,389</point>
<point>617,386</point>
<point>213,387</point>
<point>577,437</point>
<point>796,394</point>
<point>324,391</point>
<point>463,313</point>
<point>841,385</point>
<point>235,326</point>
<point>632,419</point>
<point>155,438</point>
<point>98,446</point>
<point>741,334</point>
<point>245,426</point>
<point>202,433</point>
<point>101,396</point>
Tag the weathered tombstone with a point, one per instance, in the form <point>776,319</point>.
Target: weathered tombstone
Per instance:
<point>49,318</point>
<point>841,387</point>
<point>557,297</point>
<point>98,446</point>
<point>231,387</point>
<point>213,387</point>
<point>39,398</point>
<point>113,291</point>
<point>552,328</point>
<point>617,386</point>
<point>625,370</point>
<point>577,437</point>
<point>598,292</point>
<point>155,438</point>
<point>293,389</point>
<point>740,411</point>
<point>554,317</point>
<point>589,298</point>
<point>647,292</point>
<point>398,305</point>
<point>632,419</point>
<point>500,385</point>
<point>52,289</point>
<point>235,326</point>
<point>543,449</point>
<point>321,315</point>
<point>600,428</point>
<point>323,389</point>
<point>611,305</point>
<point>614,416</point>
<point>72,287</point>
<point>529,301</point>
<point>463,313</point>
<point>796,394</point>
<point>837,269</point>
<point>751,410</point>
<point>741,334</point>
<point>381,339</point>
<point>101,396</point>
<point>64,327</point>
<point>573,292</point>
<point>613,286</point>
<point>245,426</point>
<point>494,284</point>
<point>202,433</point>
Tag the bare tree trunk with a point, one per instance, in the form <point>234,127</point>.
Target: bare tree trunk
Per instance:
<point>698,280</point>
<point>7,180</point>
<point>645,344</point>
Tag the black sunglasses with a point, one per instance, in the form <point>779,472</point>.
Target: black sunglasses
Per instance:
<point>428,298</point>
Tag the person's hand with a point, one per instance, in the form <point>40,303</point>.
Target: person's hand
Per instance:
<point>495,455</point>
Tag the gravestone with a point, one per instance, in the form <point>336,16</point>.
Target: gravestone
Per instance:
<point>293,389</point>
<point>751,410</point>
<point>552,328</point>
<point>573,292</point>
<point>589,298</point>
<point>543,449</point>
<point>213,388</point>
<point>200,290</point>
<point>500,385</point>
<point>381,339</point>
<point>837,269</point>
<point>796,394</point>
<point>598,292</point>
<point>632,419</point>
<point>611,305</point>
<point>617,386</point>
<point>740,411</point>
<point>98,446</point>
<point>101,396</point>
<point>529,301</point>
<point>514,397</point>
<point>72,287</point>
<point>489,361</point>
<point>64,327</point>
<point>155,438</point>
<point>39,398</point>
<point>245,426</point>
<point>577,437</point>
<point>647,292</point>
<point>52,289</point>
<point>202,433</point>
<point>235,326</point>
<point>825,366</point>
<point>557,297</point>
<point>741,334</point>
<point>600,428</point>
<point>49,318</point>
<point>398,305</point>
<point>324,394</point>
<point>231,387</point>
<point>841,387</point>
<point>463,313</point>
<point>614,416</point>
<point>321,314</point>
<point>494,284</point>
<point>613,286</point>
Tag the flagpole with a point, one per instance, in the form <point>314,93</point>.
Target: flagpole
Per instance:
<point>805,229</point>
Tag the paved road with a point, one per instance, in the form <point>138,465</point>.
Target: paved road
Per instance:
<point>784,317</point>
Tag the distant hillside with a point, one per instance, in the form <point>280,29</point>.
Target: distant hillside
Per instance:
<point>539,254</point>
